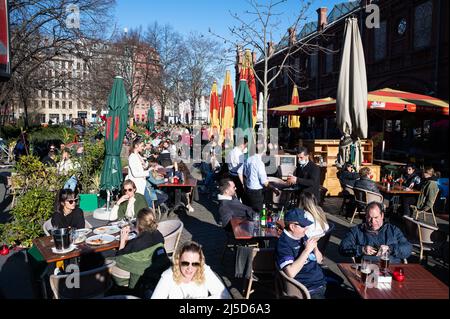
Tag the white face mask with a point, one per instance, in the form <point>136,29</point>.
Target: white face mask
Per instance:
<point>303,162</point>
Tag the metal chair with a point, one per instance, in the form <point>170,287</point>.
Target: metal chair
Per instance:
<point>425,237</point>
<point>171,231</point>
<point>92,283</point>
<point>287,287</point>
<point>362,198</point>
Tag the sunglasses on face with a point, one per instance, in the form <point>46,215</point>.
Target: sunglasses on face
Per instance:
<point>187,263</point>
<point>128,190</point>
<point>71,201</point>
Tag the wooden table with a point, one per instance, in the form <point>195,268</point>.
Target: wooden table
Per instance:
<point>45,245</point>
<point>418,284</point>
<point>396,190</point>
<point>190,182</point>
<point>244,229</point>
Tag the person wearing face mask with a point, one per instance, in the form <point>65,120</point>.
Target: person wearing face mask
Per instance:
<point>369,239</point>
<point>307,174</point>
<point>230,206</point>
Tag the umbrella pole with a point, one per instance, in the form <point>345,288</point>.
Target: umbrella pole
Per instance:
<point>108,194</point>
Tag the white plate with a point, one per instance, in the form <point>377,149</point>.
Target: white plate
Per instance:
<point>119,223</point>
<point>130,236</point>
<point>107,230</point>
<point>61,252</point>
<point>100,239</point>
<point>80,238</point>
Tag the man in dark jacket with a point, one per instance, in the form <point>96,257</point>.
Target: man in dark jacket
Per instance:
<point>365,181</point>
<point>369,239</point>
<point>307,174</point>
<point>347,176</point>
<point>230,206</point>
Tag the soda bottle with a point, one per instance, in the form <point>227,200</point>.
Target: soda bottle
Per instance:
<point>263,217</point>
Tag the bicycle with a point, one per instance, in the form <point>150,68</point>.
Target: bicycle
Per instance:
<point>5,154</point>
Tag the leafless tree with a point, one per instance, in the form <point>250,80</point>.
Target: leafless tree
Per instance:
<point>168,85</point>
<point>40,32</point>
<point>203,64</point>
<point>255,29</point>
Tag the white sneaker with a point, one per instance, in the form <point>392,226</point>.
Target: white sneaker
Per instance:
<point>190,208</point>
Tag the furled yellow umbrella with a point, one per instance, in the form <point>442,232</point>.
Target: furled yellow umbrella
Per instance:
<point>227,110</point>
<point>294,120</point>
<point>214,110</point>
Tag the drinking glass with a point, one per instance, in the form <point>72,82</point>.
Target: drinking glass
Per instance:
<point>384,260</point>
<point>365,270</point>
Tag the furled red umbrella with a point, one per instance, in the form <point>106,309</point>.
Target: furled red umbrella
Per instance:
<point>214,109</point>
<point>294,120</point>
<point>226,110</point>
<point>248,75</point>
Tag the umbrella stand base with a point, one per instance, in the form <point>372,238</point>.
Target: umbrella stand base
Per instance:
<point>103,214</point>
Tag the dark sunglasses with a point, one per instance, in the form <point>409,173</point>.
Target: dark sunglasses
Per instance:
<point>71,201</point>
<point>187,263</point>
<point>128,189</point>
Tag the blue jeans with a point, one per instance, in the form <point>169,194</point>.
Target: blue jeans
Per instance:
<point>318,293</point>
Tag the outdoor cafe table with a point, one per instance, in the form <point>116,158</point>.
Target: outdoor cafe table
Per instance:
<point>394,194</point>
<point>189,182</point>
<point>244,229</point>
<point>45,245</point>
<point>419,283</point>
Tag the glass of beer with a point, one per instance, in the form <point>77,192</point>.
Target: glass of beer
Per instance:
<point>365,269</point>
<point>384,261</point>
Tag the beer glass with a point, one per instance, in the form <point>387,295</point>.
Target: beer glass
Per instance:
<point>384,260</point>
<point>365,270</point>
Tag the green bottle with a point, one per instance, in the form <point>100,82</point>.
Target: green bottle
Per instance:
<point>263,217</point>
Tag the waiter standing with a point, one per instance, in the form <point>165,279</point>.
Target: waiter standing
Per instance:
<point>307,174</point>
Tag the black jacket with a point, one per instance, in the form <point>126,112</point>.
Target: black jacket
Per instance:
<point>348,178</point>
<point>367,184</point>
<point>308,178</point>
<point>74,219</point>
<point>233,208</point>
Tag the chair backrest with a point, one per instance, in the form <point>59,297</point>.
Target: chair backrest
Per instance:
<point>171,231</point>
<point>428,234</point>
<point>364,196</point>
<point>286,169</point>
<point>263,260</point>
<point>47,227</point>
<point>349,189</point>
<point>92,283</point>
<point>286,287</point>
<point>324,240</point>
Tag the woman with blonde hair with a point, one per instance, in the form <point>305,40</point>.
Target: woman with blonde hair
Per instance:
<point>315,214</point>
<point>190,277</point>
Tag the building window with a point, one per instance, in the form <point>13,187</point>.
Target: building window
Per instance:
<point>63,104</point>
<point>329,59</point>
<point>64,94</point>
<point>42,118</point>
<point>313,63</point>
<point>50,104</point>
<point>64,117</point>
<point>422,25</point>
<point>56,104</point>
<point>43,104</point>
<point>380,42</point>
<point>70,105</point>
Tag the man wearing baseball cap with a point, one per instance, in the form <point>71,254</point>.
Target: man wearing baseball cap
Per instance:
<point>299,256</point>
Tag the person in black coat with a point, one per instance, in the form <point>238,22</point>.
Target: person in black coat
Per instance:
<point>307,174</point>
<point>347,176</point>
<point>364,182</point>
<point>230,206</point>
<point>66,213</point>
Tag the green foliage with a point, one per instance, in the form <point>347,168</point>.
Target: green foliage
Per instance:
<point>32,173</point>
<point>28,216</point>
<point>139,130</point>
<point>90,165</point>
<point>41,134</point>
<point>8,132</point>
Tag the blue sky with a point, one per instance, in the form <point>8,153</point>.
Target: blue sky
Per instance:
<point>199,15</point>
<point>187,16</point>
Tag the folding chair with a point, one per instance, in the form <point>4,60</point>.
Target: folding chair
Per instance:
<point>362,198</point>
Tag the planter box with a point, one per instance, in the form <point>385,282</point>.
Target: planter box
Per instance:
<point>88,202</point>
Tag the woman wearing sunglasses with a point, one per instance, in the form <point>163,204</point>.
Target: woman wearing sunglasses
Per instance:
<point>67,214</point>
<point>130,203</point>
<point>190,277</point>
